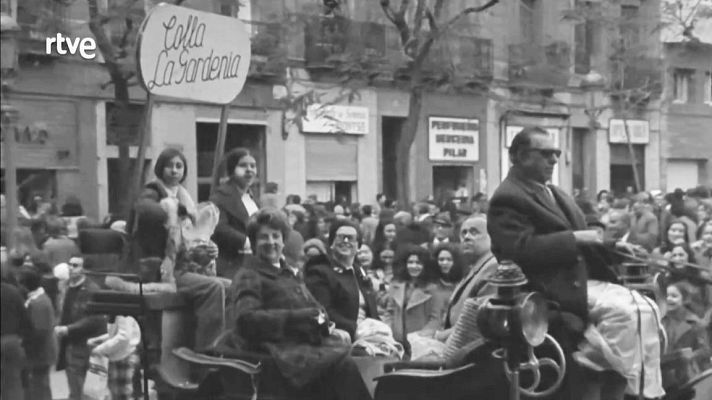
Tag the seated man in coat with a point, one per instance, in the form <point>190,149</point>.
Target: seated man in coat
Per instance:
<point>337,283</point>
<point>270,310</point>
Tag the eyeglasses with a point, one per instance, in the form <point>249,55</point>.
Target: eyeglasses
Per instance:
<point>547,153</point>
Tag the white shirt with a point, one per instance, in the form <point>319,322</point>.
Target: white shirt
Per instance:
<point>249,204</point>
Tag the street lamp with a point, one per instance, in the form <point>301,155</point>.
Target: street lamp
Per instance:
<point>8,116</point>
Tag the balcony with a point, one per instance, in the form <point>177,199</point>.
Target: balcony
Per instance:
<point>539,65</point>
<point>39,20</point>
<point>469,59</point>
<point>269,58</point>
<point>330,39</point>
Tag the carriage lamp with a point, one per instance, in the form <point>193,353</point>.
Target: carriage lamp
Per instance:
<point>513,315</point>
<point>518,320</point>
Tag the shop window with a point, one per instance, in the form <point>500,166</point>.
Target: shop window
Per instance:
<point>708,88</point>
<point>332,191</point>
<point>238,135</point>
<point>682,84</point>
<point>622,176</point>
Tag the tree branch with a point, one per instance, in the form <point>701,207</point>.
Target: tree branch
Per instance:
<point>469,10</point>
<point>438,9</point>
<point>432,22</point>
<point>102,40</point>
<point>388,11</point>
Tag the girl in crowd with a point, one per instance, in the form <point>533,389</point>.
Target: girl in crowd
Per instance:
<point>385,237</point>
<point>236,204</point>
<point>703,248</point>
<point>684,329</point>
<point>675,233</point>
<point>413,304</point>
<point>449,268</point>
<point>678,257</point>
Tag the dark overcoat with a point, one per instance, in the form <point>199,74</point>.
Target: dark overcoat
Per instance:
<point>231,232</point>
<point>270,310</point>
<point>337,289</point>
<point>80,325</point>
<point>528,228</point>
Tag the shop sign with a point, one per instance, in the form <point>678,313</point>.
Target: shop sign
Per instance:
<point>46,133</point>
<point>639,131</point>
<point>336,119</point>
<point>193,55</point>
<point>454,139</point>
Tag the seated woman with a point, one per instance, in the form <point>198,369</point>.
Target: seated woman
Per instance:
<point>169,226</point>
<point>272,311</point>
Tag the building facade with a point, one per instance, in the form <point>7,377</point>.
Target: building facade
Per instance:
<point>343,147</point>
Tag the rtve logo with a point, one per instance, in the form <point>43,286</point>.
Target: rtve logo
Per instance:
<point>85,46</point>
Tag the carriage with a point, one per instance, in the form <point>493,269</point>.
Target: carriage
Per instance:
<point>515,357</point>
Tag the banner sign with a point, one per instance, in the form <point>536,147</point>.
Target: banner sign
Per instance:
<point>454,139</point>
<point>336,119</point>
<point>639,131</point>
<point>193,55</point>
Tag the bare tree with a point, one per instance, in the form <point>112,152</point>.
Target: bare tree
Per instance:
<point>420,25</point>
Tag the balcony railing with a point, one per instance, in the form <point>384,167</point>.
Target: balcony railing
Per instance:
<point>38,20</point>
<point>546,65</point>
<point>269,57</point>
<point>467,57</point>
<point>327,38</point>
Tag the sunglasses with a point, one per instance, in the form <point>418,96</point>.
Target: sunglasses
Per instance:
<point>75,264</point>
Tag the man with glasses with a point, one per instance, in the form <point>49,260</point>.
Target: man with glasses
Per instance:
<point>540,227</point>
<point>337,283</point>
<point>76,327</point>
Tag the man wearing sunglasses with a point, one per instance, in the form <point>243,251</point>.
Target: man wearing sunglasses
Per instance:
<point>539,226</point>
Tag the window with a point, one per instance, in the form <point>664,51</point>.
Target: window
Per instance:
<point>681,85</point>
<point>629,27</point>
<point>527,20</point>
<point>708,88</point>
<point>123,125</point>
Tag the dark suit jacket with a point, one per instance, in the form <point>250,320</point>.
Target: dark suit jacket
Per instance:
<point>231,231</point>
<point>337,290</point>
<point>528,229</point>
<point>40,347</point>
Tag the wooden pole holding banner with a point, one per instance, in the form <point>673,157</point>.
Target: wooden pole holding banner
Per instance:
<point>9,119</point>
<point>220,147</point>
<point>144,134</point>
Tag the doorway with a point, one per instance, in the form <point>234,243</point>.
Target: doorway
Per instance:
<point>390,135</point>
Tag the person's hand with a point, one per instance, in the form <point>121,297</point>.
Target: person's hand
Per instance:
<point>61,331</point>
<point>94,342</point>
<point>212,249</point>
<point>589,236</point>
<point>630,248</point>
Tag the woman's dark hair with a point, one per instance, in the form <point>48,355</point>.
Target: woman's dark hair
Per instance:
<point>338,223</point>
<point>400,266</point>
<point>456,272</point>
<point>167,155</point>
<point>686,247</point>
<point>269,217</point>
<point>233,158</point>
<point>603,193</point>
<point>379,237</point>
<point>72,207</point>
<point>666,245</point>
<point>686,290</point>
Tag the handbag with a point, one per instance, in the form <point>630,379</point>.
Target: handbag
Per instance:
<point>96,381</point>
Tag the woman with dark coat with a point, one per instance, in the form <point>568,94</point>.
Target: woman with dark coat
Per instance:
<point>273,314</point>
<point>236,203</point>
<point>147,224</point>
